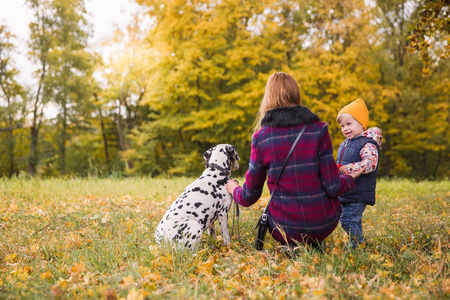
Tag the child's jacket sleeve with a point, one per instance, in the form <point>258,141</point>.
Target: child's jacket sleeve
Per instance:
<point>369,153</point>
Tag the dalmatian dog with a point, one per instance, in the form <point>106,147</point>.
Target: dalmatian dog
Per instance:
<point>202,202</point>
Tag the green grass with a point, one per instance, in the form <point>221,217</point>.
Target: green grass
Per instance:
<point>93,238</point>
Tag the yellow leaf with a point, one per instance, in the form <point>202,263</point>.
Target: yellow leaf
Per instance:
<point>282,277</point>
<point>78,268</point>
<point>160,261</point>
<point>318,292</point>
<point>13,207</point>
<point>64,284</point>
<point>11,257</point>
<point>149,276</point>
<point>127,280</point>
<point>23,273</point>
<point>276,267</point>
<point>264,281</point>
<point>387,264</point>
<point>133,294</point>
<point>46,275</point>
<point>207,267</point>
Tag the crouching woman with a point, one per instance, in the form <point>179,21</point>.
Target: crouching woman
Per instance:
<point>305,207</point>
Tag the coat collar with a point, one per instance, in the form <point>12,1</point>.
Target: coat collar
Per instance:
<point>289,116</point>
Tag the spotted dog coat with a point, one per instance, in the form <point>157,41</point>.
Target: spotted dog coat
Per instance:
<point>202,202</point>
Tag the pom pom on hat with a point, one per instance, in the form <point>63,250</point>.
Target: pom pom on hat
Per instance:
<point>358,110</point>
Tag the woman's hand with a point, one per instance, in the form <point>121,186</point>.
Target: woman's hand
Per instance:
<point>231,185</point>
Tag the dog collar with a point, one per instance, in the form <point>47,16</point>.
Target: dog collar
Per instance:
<point>222,169</point>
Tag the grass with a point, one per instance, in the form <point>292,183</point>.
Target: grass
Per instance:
<point>93,238</point>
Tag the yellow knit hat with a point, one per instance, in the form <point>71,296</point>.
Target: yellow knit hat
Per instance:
<point>358,110</point>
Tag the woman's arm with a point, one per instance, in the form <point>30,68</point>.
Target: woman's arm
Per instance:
<point>333,183</point>
<point>255,177</point>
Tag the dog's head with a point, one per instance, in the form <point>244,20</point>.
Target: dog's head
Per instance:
<point>222,155</point>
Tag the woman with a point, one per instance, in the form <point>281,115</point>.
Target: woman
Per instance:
<point>305,207</point>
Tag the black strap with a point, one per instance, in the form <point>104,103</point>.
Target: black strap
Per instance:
<point>221,169</point>
<point>282,169</point>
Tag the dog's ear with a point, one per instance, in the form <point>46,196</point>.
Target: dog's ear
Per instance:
<point>232,151</point>
<point>207,156</point>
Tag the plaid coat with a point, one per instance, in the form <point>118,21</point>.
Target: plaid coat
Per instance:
<point>305,203</point>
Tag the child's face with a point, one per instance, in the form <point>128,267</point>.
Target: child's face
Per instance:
<point>350,127</point>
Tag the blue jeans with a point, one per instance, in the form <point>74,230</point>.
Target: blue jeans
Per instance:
<point>351,221</point>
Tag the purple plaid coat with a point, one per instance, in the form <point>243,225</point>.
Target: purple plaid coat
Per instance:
<point>305,203</point>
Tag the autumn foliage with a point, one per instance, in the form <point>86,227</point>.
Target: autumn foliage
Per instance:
<point>185,75</point>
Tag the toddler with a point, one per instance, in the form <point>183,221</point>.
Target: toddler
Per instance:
<point>360,150</point>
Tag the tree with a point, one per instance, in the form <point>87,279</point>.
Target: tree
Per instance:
<point>208,81</point>
<point>414,146</point>
<point>40,44</point>
<point>127,75</point>
<point>214,57</point>
<point>335,61</point>
<point>70,68</point>
<point>430,35</point>
<point>12,95</point>
<point>58,41</point>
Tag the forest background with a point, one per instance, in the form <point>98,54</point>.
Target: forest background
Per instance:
<point>186,75</point>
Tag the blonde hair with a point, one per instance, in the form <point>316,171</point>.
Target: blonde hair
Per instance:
<point>338,119</point>
<point>281,91</point>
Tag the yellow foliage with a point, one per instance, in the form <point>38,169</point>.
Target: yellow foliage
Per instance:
<point>149,276</point>
<point>47,275</point>
<point>265,281</point>
<point>134,294</point>
<point>78,268</point>
<point>207,268</point>
<point>11,257</point>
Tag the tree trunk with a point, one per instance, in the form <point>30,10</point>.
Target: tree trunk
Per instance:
<point>33,156</point>
<point>425,173</point>
<point>11,145</point>
<point>105,142</point>
<point>122,144</point>
<point>437,164</point>
<point>119,129</point>
<point>11,152</point>
<point>63,139</point>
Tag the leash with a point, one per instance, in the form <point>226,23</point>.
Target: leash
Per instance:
<point>236,214</point>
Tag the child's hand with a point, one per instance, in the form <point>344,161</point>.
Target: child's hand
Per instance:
<point>344,170</point>
<point>356,173</point>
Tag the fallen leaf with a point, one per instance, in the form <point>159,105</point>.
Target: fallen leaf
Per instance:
<point>110,294</point>
<point>56,291</point>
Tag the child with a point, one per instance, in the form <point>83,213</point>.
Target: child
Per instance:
<point>360,149</point>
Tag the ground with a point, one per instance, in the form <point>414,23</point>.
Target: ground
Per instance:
<point>93,238</point>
